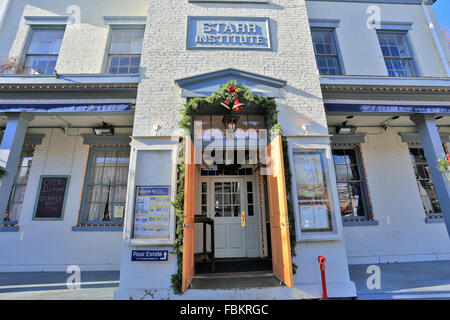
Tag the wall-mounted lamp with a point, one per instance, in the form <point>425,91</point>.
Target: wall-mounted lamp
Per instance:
<point>345,129</point>
<point>105,130</point>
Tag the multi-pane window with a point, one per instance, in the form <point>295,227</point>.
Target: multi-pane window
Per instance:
<point>424,181</point>
<point>397,54</point>
<point>250,199</point>
<point>204,198</point>
<point>42,51</point>
<point>326,51</point>
<point>105,185</point>
<point>227,199</point>
<point>351,183</point>
<point>125,51</point>
<point>17,195</point>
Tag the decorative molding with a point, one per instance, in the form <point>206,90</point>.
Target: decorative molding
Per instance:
<point>413,137</point>
<point>324,23</point>
<point>353,138</point>
<point>384,82</point>
<point>359,223</point>
<point>392,25</point>
<point>119,139</point>
<point>97,228</point>
<point>125,20</point>
<point>205,84</point>
<point>9,228</point>
<point>46,20</point>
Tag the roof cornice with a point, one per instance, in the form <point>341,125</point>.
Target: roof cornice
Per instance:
<point>68,82</point>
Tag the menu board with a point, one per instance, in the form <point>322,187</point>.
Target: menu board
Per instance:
<point>152,212</point>
<point>314,217</point>
<point>51,197</point>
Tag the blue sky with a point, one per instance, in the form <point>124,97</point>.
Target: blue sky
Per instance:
<point>442,11</point>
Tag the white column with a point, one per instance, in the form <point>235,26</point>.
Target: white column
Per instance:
<point>432,146</point>
<point>10,150</point>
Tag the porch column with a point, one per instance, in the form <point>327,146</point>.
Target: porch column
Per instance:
<point>10,150</point>
<point>432,146</point>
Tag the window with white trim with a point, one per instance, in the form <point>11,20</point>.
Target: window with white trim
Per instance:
<point>397,54</point>
<point>105,186</point>
<point>19,187</point>
<point>42,51</point>
<point>124,56</point>
<point>326,51</point>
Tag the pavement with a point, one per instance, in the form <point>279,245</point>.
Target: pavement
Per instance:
<point>407,280</point>
<point>93,285</point>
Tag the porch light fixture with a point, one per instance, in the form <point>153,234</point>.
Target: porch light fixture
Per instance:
<point>345,129</point>
<point>105,130</point>
<point>230,122</point>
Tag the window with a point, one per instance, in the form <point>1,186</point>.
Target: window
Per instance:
<point>397,54</point>
<point>326,51</point>
<point>42,51</point>
<point>17,195</point>
<point>105,185</point>
<point>423,178</point>
<point>125,51</point>
<point>227,199</point>
<point>351,183</point>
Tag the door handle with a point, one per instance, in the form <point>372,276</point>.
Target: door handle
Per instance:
<point>243,219</point>
<point>187,225</point>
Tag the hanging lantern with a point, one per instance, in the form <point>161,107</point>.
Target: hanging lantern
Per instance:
<point>230,122</point>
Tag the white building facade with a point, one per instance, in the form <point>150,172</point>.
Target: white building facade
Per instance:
<point>95,97</point>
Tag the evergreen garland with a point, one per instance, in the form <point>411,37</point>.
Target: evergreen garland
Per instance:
<point>188,111</point>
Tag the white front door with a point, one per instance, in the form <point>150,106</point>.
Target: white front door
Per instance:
<point>237,225</point>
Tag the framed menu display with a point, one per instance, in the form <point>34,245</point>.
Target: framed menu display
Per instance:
<point>152,212</point>
<point>313,194</point>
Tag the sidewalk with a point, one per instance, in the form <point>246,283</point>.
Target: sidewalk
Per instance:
<point>411,280</point>
<point>96,285</point>
<point>406,280</point>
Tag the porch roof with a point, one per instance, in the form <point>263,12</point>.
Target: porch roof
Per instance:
<point>205,84</point>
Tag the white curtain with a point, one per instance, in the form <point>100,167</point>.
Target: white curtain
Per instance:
<point>109,179</point>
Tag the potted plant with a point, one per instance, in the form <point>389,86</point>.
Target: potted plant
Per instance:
<point>444,166</point>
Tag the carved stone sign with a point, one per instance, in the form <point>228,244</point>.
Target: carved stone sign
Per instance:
<point>228,33</point>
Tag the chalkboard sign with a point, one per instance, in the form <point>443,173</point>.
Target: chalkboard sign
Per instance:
<point>51,197</point>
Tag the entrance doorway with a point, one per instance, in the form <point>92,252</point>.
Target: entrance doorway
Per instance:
<point>232,202</point>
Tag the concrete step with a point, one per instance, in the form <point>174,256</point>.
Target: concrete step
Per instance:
<point>235,281</point>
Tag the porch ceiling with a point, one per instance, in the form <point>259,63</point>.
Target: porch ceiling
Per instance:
<point>379,121</point>
<point>77,121</point>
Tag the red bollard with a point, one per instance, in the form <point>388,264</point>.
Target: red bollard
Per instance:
<point>322,262</point>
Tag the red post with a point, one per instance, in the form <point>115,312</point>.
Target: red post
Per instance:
<point>322,262</point>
